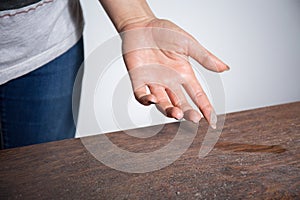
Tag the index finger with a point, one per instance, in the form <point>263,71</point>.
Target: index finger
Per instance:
<point>199,97</point>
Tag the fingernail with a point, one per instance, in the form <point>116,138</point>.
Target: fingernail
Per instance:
<point>195,121</point>
<point>213,126</point>
<point>228,68</point>
<point>178,117</point>
<point>151,102</point>
<point>213,119</point>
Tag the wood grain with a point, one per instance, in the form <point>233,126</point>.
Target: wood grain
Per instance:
<point>256,157</point>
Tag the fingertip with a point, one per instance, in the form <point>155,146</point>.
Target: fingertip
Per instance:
<point>147,100</point>
<point>152,99</point>
<point>220,66</point>
<point>227,68</point>
<point>174,112</point>
<point>213,119</point>
<point>178,114</point>
<point>213,126</point>
<point>192,115</point>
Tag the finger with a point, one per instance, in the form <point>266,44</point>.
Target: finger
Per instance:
<point>199,97</point>
<point>143,97</point>
<point>178,99</point>
<point>205,58</point>
<point>163,103</point>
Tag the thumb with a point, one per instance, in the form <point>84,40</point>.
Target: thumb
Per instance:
<point>205,58</point>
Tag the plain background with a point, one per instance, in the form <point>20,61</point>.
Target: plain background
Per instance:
<point>259,40</point>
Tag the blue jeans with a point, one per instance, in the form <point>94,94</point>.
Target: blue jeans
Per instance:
<point>37,107</point>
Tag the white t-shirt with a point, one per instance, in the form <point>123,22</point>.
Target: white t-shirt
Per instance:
<point>32,36</point>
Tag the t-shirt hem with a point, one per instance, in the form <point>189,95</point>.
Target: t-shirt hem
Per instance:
<point>43,58</point>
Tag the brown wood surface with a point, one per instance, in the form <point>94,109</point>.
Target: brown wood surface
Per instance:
<point>256,157</point>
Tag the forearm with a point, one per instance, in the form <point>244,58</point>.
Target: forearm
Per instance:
<point>125,12</point>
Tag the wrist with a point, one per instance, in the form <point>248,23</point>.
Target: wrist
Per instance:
<point>125,13</point>
<point>136,22</point>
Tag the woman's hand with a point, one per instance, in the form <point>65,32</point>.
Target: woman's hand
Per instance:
<point>156,54</point>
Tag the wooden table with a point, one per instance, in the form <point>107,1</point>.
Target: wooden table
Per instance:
<point>256,157</point>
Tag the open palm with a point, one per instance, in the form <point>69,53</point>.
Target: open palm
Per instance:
<point>156,55</point>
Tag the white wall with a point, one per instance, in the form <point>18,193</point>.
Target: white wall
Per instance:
<point>259,40</point>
